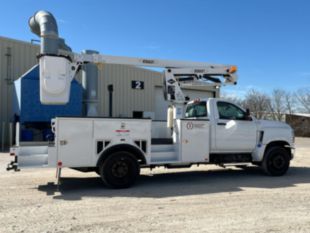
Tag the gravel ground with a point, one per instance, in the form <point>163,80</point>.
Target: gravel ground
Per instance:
<point>200,199</point>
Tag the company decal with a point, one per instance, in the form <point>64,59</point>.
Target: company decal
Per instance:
<point>122,129</point>
<point>191,125</point>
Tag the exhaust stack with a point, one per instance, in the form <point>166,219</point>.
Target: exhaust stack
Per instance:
<point>90,86</point>
<point>44,25</point>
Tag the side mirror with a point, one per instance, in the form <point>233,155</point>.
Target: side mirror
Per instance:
<point>248,115</point>
<point>247,111</point>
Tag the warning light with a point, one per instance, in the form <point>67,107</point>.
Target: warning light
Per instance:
<point>233,69</point>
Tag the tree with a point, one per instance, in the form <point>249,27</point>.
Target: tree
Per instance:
<point>290,102</point>
<point>303,98</point>
<point>277,104</point>
<point>232,98</point>
<point>259,103</point>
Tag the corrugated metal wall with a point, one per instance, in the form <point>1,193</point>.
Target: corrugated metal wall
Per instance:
<point>16,57</point>
<point>125,99</point>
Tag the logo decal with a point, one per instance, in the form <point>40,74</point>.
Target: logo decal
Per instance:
<point>189,125</point>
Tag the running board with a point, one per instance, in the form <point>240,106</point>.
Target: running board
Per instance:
<point>230,158</point>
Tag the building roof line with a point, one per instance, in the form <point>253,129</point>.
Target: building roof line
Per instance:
<point>17,40</point>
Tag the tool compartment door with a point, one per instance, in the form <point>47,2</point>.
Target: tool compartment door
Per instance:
<point>74,142</point>
<point>194,140</point>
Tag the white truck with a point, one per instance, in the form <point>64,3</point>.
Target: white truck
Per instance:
<point>213,131</point>
<point>201,131</point>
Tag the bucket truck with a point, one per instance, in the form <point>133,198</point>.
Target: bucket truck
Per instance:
<point>203,131</point>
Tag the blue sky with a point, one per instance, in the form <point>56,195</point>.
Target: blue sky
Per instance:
<point>269,40</point>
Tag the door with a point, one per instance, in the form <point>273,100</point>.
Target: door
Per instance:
<point>74,141</point>
<point>194,140</point>
<point>234,130</point>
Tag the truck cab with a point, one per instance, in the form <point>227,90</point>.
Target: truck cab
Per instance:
<point>238,136</point>
<point>232,128</point>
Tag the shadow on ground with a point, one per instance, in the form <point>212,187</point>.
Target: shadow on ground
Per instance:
<point>178,184</point>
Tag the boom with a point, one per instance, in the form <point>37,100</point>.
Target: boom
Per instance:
<point>59,65</point>
<point>136,61</point>
<point>57,72</point>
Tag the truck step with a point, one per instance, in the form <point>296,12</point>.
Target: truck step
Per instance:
<point>160,157</point>
<point>162,148</point>
<point>161,141</point>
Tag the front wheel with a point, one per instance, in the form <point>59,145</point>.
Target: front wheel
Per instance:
<point>276,161</point>
<point>120,170</point>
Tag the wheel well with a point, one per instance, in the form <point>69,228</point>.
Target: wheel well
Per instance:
<point>124,147</point>
<point>283,144</point>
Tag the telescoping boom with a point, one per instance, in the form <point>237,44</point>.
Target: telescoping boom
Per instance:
<point>57,72</point>
<point>59,65</point>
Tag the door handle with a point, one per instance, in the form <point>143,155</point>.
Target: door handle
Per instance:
<point>221,123</point>
<point>63,142</point>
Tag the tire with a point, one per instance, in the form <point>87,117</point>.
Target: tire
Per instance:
<point>120,170</point>
<point>276,161</point>
<point>97,170</point>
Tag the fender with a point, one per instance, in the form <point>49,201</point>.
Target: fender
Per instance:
<point>122,147</point>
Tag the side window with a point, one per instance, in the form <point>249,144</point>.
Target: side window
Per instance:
<point>230,111</point>
<point>196,110</point>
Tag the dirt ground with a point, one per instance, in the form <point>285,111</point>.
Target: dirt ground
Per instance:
<point>203,199</point>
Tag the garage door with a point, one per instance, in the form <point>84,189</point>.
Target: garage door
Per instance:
<point>161,105</point>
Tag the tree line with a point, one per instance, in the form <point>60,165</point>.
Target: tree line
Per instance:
<point>274,105</point>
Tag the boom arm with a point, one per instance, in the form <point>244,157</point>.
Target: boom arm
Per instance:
<point>58,66</point>
<point>57,72</point>
<point>135,61</point>
<point>176,78</point>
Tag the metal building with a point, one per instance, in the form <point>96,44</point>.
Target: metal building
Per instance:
<point>137,92</point>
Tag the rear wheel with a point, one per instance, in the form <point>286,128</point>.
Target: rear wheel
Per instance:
<point>276,161</point>
<point>120,170</point>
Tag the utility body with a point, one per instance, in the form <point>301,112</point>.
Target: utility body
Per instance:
<point>200,131</point>
<point>213,131</point>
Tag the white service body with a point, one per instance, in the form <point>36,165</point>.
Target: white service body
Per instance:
<point>194,140</point>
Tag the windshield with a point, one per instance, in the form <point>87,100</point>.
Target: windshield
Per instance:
<point>196,109</point>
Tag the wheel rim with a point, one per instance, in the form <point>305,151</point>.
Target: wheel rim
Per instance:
<point>277,162</point>
<point>120,169</point>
